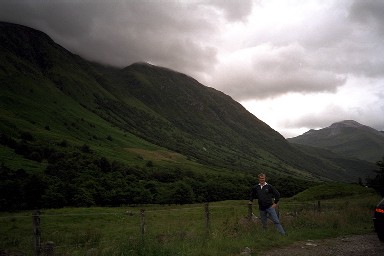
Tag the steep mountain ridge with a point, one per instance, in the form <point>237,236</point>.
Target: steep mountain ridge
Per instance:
<point>34,54</point>
<point>57,95</point>
<point>348,138</point>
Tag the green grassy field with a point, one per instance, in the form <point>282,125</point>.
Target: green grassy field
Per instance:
<point>185,230</point>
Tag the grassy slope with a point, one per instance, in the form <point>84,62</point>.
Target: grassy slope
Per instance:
<point>208,119</point>
<point>52,117</point>
<point>349,168</point>
<point>51,93</point>
<point>58,96</point>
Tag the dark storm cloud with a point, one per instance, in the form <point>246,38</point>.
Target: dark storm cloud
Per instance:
<point>67,20</point>
<point>174,34</point>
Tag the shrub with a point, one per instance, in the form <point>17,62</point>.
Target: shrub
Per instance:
<point>85,149</point>
<point>27,136</point>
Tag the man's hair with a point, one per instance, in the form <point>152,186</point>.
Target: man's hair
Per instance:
<point>261,175</point>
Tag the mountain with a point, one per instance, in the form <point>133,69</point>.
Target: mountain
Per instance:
<point>74,123</point>
<point>347,138</point>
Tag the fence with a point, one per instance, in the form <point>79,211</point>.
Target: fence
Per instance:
<point>48,247</point>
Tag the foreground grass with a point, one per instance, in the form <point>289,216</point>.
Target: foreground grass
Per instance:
<point>184,230</point>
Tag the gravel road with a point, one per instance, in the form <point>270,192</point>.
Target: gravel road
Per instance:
<point>366,245</point>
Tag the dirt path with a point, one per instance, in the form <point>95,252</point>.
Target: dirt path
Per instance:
<point>366,245</point>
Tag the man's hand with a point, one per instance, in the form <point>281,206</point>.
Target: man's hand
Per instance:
<point>250,202</point>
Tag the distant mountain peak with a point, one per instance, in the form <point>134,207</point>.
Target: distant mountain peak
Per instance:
<point>347,123</point>
<point>354,125</point>
<point>309,131</point>
<point>143,63</point>
<point>348,138</point>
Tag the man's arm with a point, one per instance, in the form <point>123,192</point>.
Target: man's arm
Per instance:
<point>276,195</point>
<point>252,195</point>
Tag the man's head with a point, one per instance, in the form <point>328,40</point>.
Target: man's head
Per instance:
<point>261,178</point>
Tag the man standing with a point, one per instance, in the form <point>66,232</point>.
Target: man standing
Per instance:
<point>268,197</point>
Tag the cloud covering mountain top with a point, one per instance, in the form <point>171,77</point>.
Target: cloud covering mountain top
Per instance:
<point>294,64</point>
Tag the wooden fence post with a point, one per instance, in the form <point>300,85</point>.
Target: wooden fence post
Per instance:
<point>207,221</point>
<point>36,231</point>
<point>142,222</point>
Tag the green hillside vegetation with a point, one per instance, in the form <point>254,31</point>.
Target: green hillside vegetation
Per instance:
<point>333,191</point>
<point>346,165</point>
<point>76,133</point>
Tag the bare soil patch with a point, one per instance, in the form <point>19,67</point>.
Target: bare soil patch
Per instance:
<point>356,245</point>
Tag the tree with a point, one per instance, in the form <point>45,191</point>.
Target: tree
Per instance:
<point>104,164</point>
<point>377,183</point>
<point>85,149</point>
<point>182,193</point>
<point>33,191</point>
<point>149,163</point>
<point>83,198</point>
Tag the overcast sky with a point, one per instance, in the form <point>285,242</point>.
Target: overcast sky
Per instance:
<point>296,65</point>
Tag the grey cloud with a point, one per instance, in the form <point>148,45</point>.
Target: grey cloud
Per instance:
<point>66,19</point>
<point>234,10</point>
<point>369,12</point>
<point>366,115</point>
<point>278,83</point>
<point>329,115</point>
<point>167,33</point>
<point>317,56</point>
<point>278,71</point>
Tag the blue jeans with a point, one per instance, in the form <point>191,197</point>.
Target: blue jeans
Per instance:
<point>271,214</point>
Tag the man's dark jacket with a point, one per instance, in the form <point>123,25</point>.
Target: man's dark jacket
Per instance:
<point>266,196</point>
